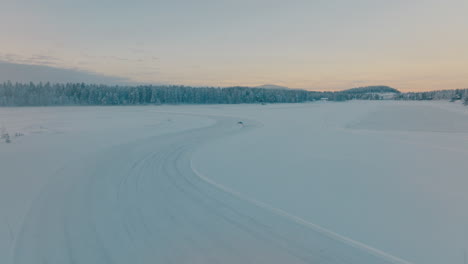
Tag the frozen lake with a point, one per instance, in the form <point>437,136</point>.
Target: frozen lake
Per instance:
<point>188,184</point>
<point>392,175</point>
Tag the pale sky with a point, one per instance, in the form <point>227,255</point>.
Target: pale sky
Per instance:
<point>310,44</point>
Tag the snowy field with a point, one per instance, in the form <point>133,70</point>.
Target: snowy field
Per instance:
<point>356,182</point>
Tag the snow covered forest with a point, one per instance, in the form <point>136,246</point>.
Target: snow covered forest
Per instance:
<point>452,95</point>
<point>40,94</point>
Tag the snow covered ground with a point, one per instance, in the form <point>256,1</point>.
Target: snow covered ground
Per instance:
<point>298,183</point>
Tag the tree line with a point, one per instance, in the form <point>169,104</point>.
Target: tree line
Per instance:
<point>450,95</point>
<point>47,94</point>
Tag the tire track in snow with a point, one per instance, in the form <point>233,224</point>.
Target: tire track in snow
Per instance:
<point>282,213</point>
<point>143,202</point>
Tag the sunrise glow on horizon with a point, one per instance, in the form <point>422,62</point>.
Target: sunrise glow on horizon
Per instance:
<point>313,45</point>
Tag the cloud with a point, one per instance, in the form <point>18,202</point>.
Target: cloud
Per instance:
<point>20,72</point>
<point>34,59</point>
<point>143,58</point>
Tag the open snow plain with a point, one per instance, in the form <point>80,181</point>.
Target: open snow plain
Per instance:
<point>356,182</point>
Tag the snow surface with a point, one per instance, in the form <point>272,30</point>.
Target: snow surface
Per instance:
<point>298,183</point>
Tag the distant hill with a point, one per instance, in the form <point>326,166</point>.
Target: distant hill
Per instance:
<point>272,86</point>
<point>372,89</point>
